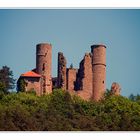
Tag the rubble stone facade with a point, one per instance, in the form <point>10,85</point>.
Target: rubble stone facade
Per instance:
<point>33,84</point>
<point>71,79</point>
<point>84,77</point>
<point>115,88</point>
<point>61,81</point>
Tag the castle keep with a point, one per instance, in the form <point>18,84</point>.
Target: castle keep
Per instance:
<point>88,81</point>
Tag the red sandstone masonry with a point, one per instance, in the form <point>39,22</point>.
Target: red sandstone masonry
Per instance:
<point>44,66</point>
<point>85,77</point>
<point>71,79</point>
<point>99,71</point>
<point>61,78</point>
<point>33,84</point>
<point>115,88</point>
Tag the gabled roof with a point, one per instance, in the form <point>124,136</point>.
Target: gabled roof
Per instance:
<point>30,74</point>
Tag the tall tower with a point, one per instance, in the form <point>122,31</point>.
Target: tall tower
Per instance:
<point>99,70</point>
<point>44,66</point>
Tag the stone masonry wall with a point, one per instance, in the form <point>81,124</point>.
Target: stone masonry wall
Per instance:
<point>84,77</point>
<point>33,84</point>
<point>44,66</point>
<point>61,81</point>
<point>99,71</point>
<point>115,88</point>
<point>71,79</point>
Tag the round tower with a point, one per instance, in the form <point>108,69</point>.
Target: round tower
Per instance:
<point>99,70</point>
<point>44,66</point>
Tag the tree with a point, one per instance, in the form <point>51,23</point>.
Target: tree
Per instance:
<point>71,66</point>
<point>2,87</point>
<point>21,84</point>
<point>7,82</point>
<point>132,97</point>
<point>135,98</point>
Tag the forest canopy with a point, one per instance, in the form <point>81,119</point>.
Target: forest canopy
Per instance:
<point>61,111</point>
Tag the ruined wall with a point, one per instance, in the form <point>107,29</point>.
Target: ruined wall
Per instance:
<point>99,70</point>
<point>80,76</point>
<point>71,79</point>
<point>115,88</point>
<point>61,77</point>
<point>33,84</point>
<point>44,66</point>
<point>84,77</point>
<point>54,83</point>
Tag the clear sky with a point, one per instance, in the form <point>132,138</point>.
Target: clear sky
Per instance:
<point>73,32</point>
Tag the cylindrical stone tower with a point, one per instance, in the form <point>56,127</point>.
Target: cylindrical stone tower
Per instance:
<point>99,71</point>
<point>44,66</point>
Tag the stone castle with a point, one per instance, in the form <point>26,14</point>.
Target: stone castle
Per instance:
<point>88,81</point>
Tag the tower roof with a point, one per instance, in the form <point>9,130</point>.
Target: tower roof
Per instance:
<point>30,74</point>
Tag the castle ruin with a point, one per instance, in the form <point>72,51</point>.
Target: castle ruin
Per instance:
<point>88,81</point>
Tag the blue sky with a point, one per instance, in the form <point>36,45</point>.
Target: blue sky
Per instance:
<point>73,32</point>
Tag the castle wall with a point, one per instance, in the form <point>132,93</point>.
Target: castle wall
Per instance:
<point>44,66</point>
<point>71,79</point>
<point>61,81</point>
<point>99,70</point>
<point>80,76</point>
<point>84,77</point>
<point>33,84</point>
